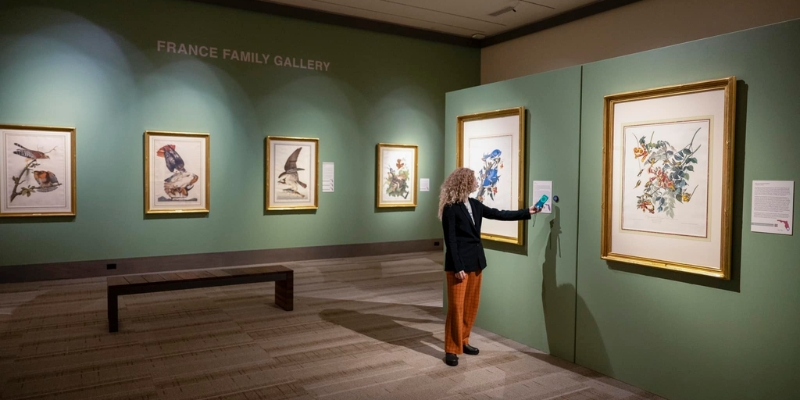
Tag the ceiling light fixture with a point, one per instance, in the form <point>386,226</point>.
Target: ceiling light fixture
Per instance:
<point>502,11</point>
<point>479,36</point>
<point>505,10</point>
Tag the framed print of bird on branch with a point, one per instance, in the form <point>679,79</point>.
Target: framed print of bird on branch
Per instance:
<point>492,144</point>
<point>397,174</point>
<point>38,169</point>
<point>176,172</point>
<point>668,177</point>
<point>291,176</point>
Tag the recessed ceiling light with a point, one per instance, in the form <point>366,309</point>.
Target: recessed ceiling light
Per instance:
<point>479,36</point>
<point>503,11</point>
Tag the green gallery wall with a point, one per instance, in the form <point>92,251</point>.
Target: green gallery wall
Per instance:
<point>528,292</point>
<point>94,65</point>
<point>687,337</point>
<point>680,336</point>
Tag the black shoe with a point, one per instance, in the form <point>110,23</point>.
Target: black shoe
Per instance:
<point>451,359</point>
<point>471,350</point>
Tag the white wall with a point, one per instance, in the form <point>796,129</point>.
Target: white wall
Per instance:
<point>641,26</point>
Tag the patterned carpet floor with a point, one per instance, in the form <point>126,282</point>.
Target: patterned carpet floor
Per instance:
<point>362,328</point>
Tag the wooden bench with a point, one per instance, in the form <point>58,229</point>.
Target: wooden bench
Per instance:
<point>149,283</point>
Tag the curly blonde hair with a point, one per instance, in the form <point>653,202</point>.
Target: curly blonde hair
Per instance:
<point>457,187</point>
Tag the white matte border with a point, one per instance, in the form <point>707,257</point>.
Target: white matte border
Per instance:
<point>694,251</point>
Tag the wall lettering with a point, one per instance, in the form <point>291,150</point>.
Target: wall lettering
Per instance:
<point>252,57</point>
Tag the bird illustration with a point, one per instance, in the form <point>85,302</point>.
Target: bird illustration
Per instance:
<point>494,154</point>
<point>174,161</point>
<point>492,160</point>
<point>688,196</point>
<point>289,174</point>
<point>397,185</point>
<point>491,178</point>
<point>30,154</point>
<point>47,181</point>
<point>179,184</point>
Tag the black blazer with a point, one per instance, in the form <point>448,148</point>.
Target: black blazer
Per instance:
<point>463,238</point>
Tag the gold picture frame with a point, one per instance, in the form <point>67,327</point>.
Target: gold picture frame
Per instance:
<point>52,151</point>
<point>681,140</point>
<point>292,175</point>
<point>174,163</point>
<point>479,136</point>
<point>396,180</point>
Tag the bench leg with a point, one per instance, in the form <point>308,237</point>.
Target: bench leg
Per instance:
<point>113,312</point>
<point>284,292</point>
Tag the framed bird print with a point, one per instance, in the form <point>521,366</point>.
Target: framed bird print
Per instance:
<point>291,175</point>
<point>397,175</point>
<point>38,170</point>
<point>668,177</point>
<point>493,145</point>
<point>176,170</point>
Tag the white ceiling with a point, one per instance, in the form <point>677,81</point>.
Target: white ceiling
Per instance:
<point>456,17</point>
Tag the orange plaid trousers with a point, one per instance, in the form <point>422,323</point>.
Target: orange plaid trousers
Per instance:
<point>463,297</point>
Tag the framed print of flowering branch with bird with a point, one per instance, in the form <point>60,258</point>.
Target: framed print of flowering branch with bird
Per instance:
<point>38,170</point>
<point>396,175</point>
<point>492,144</point>
<point>176,172</point>
<point>668,177</point>
<point>292,165</point>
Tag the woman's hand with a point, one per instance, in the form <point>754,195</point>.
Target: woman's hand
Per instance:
<point>534,210</point>
<point>461,275</point>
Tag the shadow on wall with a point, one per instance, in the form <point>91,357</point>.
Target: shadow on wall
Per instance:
<point>508,247</point>
<point>37,220</point>
<point>557,304</point>
<point>737,223</point>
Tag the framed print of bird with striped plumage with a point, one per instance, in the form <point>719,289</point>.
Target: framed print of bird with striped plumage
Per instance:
<point>38,169</point>
<point>176,172</point>
<point>291,176</point>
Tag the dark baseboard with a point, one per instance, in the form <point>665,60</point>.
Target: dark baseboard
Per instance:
<point>125,266</point>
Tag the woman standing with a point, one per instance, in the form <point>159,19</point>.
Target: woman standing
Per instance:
<point>464,259</point>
